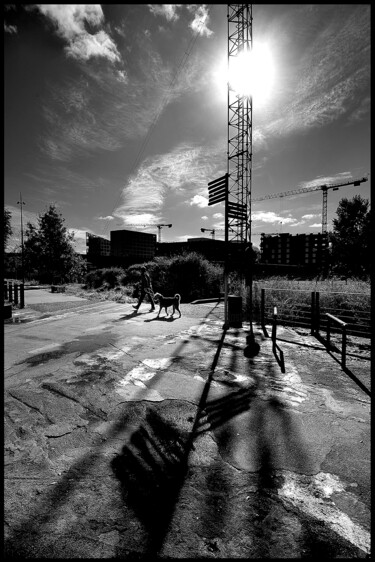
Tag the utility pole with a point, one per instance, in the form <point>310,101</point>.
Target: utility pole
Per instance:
<point>20,202</point>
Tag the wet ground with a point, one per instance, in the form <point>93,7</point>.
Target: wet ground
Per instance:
<point>132,437</point>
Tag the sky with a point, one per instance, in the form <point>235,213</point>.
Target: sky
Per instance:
<point>117,114</point>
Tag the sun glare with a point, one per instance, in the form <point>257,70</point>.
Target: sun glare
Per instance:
<point>251,73</point>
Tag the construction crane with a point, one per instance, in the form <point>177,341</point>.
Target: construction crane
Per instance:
<point>323,188</point>
<point>159,227</point>
<point>212,230</point>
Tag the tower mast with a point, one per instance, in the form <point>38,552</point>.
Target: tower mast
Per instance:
<point>239,130</point>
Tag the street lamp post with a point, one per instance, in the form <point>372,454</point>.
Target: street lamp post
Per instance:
<point>20,202</point>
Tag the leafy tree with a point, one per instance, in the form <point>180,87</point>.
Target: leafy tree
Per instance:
<point>351,237</point>
<point>48,249</point>
<point>8,231</point>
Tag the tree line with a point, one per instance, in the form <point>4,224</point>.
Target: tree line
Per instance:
<point>48,252</point>
<point>49,256</point>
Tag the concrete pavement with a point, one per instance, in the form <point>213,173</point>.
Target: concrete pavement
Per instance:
<point>128,436</point>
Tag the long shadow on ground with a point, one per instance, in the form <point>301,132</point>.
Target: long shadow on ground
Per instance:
<point>154,447</point>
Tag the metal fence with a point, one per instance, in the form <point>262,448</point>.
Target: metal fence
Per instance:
<point>14,293</point>
<point>309,309</point>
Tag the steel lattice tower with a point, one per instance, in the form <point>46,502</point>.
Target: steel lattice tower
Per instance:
<point>239,167</point>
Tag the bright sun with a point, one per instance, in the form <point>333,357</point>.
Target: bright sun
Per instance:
<point>251,73</point>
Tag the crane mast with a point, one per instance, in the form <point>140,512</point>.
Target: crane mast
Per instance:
<point>238,211</point>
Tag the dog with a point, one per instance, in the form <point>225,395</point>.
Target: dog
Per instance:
<point>165,302</point>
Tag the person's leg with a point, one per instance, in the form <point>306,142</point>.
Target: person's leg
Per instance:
<point>151,297</point>
<point>141,297</point>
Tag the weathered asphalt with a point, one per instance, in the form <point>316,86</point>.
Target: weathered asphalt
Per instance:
<point>128,436</point>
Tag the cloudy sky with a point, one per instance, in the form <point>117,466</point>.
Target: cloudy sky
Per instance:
<point>118,114</point>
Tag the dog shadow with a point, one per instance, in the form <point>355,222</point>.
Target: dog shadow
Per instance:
<point>162,319</point>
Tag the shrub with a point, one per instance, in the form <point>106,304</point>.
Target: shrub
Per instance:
<point>99,277</point>
<point>190,275</point>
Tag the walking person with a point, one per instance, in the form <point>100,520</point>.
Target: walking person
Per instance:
<point>145,289</point>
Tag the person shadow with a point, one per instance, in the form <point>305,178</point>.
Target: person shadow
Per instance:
<point>129,316</point>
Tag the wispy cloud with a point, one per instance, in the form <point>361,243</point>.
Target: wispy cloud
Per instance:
<point>201,19</point>
<point>169,11</point>
<point>340,177</point>
<point>10,28</point>
<point>199,24</point>
<point>107,218</point>
<point>331,70</point>
<point>105,107</point>
<point>309,217</point>
<point>183,171</point>
<point>272,218</point>
<point>71,21</point>
<point>54,180</point>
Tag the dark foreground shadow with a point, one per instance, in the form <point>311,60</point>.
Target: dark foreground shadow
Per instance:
<point>279,356</point>
<point>162,319</point>
<point>216,412</point>
<point>151,469</point>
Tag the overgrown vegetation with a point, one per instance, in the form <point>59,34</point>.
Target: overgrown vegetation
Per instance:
<point>351,237</point>
<point>349,299</point>
<point>194,278</point>
<point>190,275</point>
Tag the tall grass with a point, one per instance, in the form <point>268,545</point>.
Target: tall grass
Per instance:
<point>349,299</point>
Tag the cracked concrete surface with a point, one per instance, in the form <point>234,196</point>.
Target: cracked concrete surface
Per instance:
<point>132,438</point>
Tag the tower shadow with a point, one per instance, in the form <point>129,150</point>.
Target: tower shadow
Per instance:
<point>151,469</point>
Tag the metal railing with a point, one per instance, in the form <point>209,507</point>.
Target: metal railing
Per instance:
<point>309,309</point>
<point>14,293</point>
<point>342,326</point>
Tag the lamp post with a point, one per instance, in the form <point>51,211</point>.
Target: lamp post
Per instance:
<point>20,202</point>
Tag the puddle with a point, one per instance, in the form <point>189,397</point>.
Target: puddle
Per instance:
<point>83,344</point>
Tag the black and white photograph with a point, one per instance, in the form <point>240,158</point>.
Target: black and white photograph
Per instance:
<point>187,281</point>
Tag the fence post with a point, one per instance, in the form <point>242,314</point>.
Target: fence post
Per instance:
<point>262,305</point>
<point>15,293</point>
<point>317,312</point>
<point>10,298</point>
<point>274,328</point>
<point>328,332</point>
<point>22,295</point>
<point>343,350</point>
<point>5,290</point>
<point>313,314</point>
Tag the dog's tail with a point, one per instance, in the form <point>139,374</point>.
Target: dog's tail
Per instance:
<point>177,296</point>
